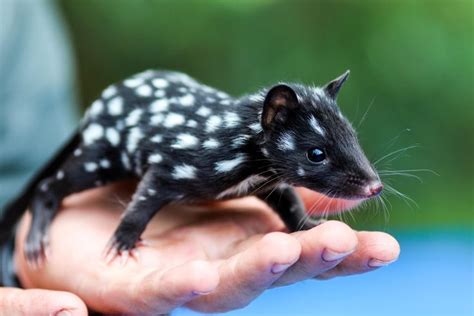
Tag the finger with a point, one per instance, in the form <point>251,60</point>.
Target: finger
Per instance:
<point>163,291</point>
<point>323,247</point>
<point>248,273</point>
<point>375,250</point>
<point>40,302</point>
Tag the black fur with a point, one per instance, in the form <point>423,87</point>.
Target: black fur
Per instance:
<point>153,126</point>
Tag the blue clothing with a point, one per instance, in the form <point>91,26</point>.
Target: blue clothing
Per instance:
<point>36,90</point>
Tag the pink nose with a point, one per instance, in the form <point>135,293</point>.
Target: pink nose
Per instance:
<point>374,188</point>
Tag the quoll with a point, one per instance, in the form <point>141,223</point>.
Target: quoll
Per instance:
<point>188,142</point>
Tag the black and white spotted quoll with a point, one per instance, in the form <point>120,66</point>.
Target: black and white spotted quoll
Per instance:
<point>188,142</point>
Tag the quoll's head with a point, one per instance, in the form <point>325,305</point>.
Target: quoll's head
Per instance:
<point>311,144</point>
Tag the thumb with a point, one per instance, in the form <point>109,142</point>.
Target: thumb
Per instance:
<point>40,302</point>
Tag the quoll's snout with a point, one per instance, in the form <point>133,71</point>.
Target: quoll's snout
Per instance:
<point>374,188</point>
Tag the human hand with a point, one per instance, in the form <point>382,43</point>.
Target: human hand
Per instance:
<point>15,302</point>
<point>210,259</point>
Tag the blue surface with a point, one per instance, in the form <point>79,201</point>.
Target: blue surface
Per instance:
<point>434,276</point>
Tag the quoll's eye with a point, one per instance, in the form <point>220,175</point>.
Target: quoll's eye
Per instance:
<point>316,155</point>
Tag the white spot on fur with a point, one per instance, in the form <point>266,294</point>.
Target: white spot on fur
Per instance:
<point>144,91</point>
<point>90,166</point>
<point>286,142</point>
<point>151,192</point>
<point>231,119</point>
<point>160,83</point>
<point>159,106</point>
<point>160,93</point>
<point>115,106</point>
<point>240,140</point>
<point>142,198</point>
<point>242,188</point>
<point>192,123</point>
<point>265,152</point>
<point>184,171</point>
<point>222,95</point>
<point>226,102</point>
<point>173,119</point>
<point>313,122</point>
<point>157,139</point>
<point>213,123</point>
<point>210,99</point>
<point>155,158</point>
<point>133,82</point>
<point>319,93</point>
<point>77,152</point>
<point>157,119</point>
<point>211,143</point>
<point>257,97</point>
<point>300,171</point>
<point>145,74</point>
<point>134,137</point>
<point>92,133</point>
<point>104,163</point>
<point>60,175</point>
<point>187,100</point>
<point>125,161</point>
<point>208,89</point>
<point>204,111</point>
<point>109,92</point>
<point>228,165</point>
<point>184,141</point>
<point>182,89</point>
<point>133,117</point>
<point>112,136</point>
<point>44,187</point>
<point>256,127</point>
<point>299,98</point>
<point>96,108</point>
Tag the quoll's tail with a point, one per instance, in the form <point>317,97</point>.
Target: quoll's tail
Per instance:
<point>14,209</point>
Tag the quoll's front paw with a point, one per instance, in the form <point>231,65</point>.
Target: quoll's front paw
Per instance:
<point>123,247</point>
<point>36,250</point>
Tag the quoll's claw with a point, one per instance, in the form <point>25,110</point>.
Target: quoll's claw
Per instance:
<point>36,252</point>
<point>123,250</point>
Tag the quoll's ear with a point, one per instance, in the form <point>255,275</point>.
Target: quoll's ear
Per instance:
<point>279,101</point>
<point>332,88</point>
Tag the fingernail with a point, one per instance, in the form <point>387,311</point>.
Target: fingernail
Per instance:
<point>201,293</point>
<point>278,268</point>
<point>330,255</point>
<point>376,263</point>
<point>63,312</point>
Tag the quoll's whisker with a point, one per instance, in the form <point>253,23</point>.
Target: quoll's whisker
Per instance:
<point>365,113</point>
<point>403,196</point>
<point>401,150</point>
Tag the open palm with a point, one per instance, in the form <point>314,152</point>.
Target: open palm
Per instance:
<point>209,258</point>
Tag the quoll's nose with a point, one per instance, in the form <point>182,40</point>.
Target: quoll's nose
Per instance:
<point>373,188</point>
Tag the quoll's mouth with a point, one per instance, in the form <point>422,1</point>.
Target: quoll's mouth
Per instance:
<point>317,203</point>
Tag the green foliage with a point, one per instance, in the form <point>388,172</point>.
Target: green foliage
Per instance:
<point>411,70</point>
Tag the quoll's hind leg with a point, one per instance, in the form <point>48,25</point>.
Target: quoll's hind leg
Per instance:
<point>146,202</point>
<point>81,171</point>
<point>286,202</point>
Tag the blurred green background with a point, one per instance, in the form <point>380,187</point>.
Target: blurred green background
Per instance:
<point>411,68</point>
